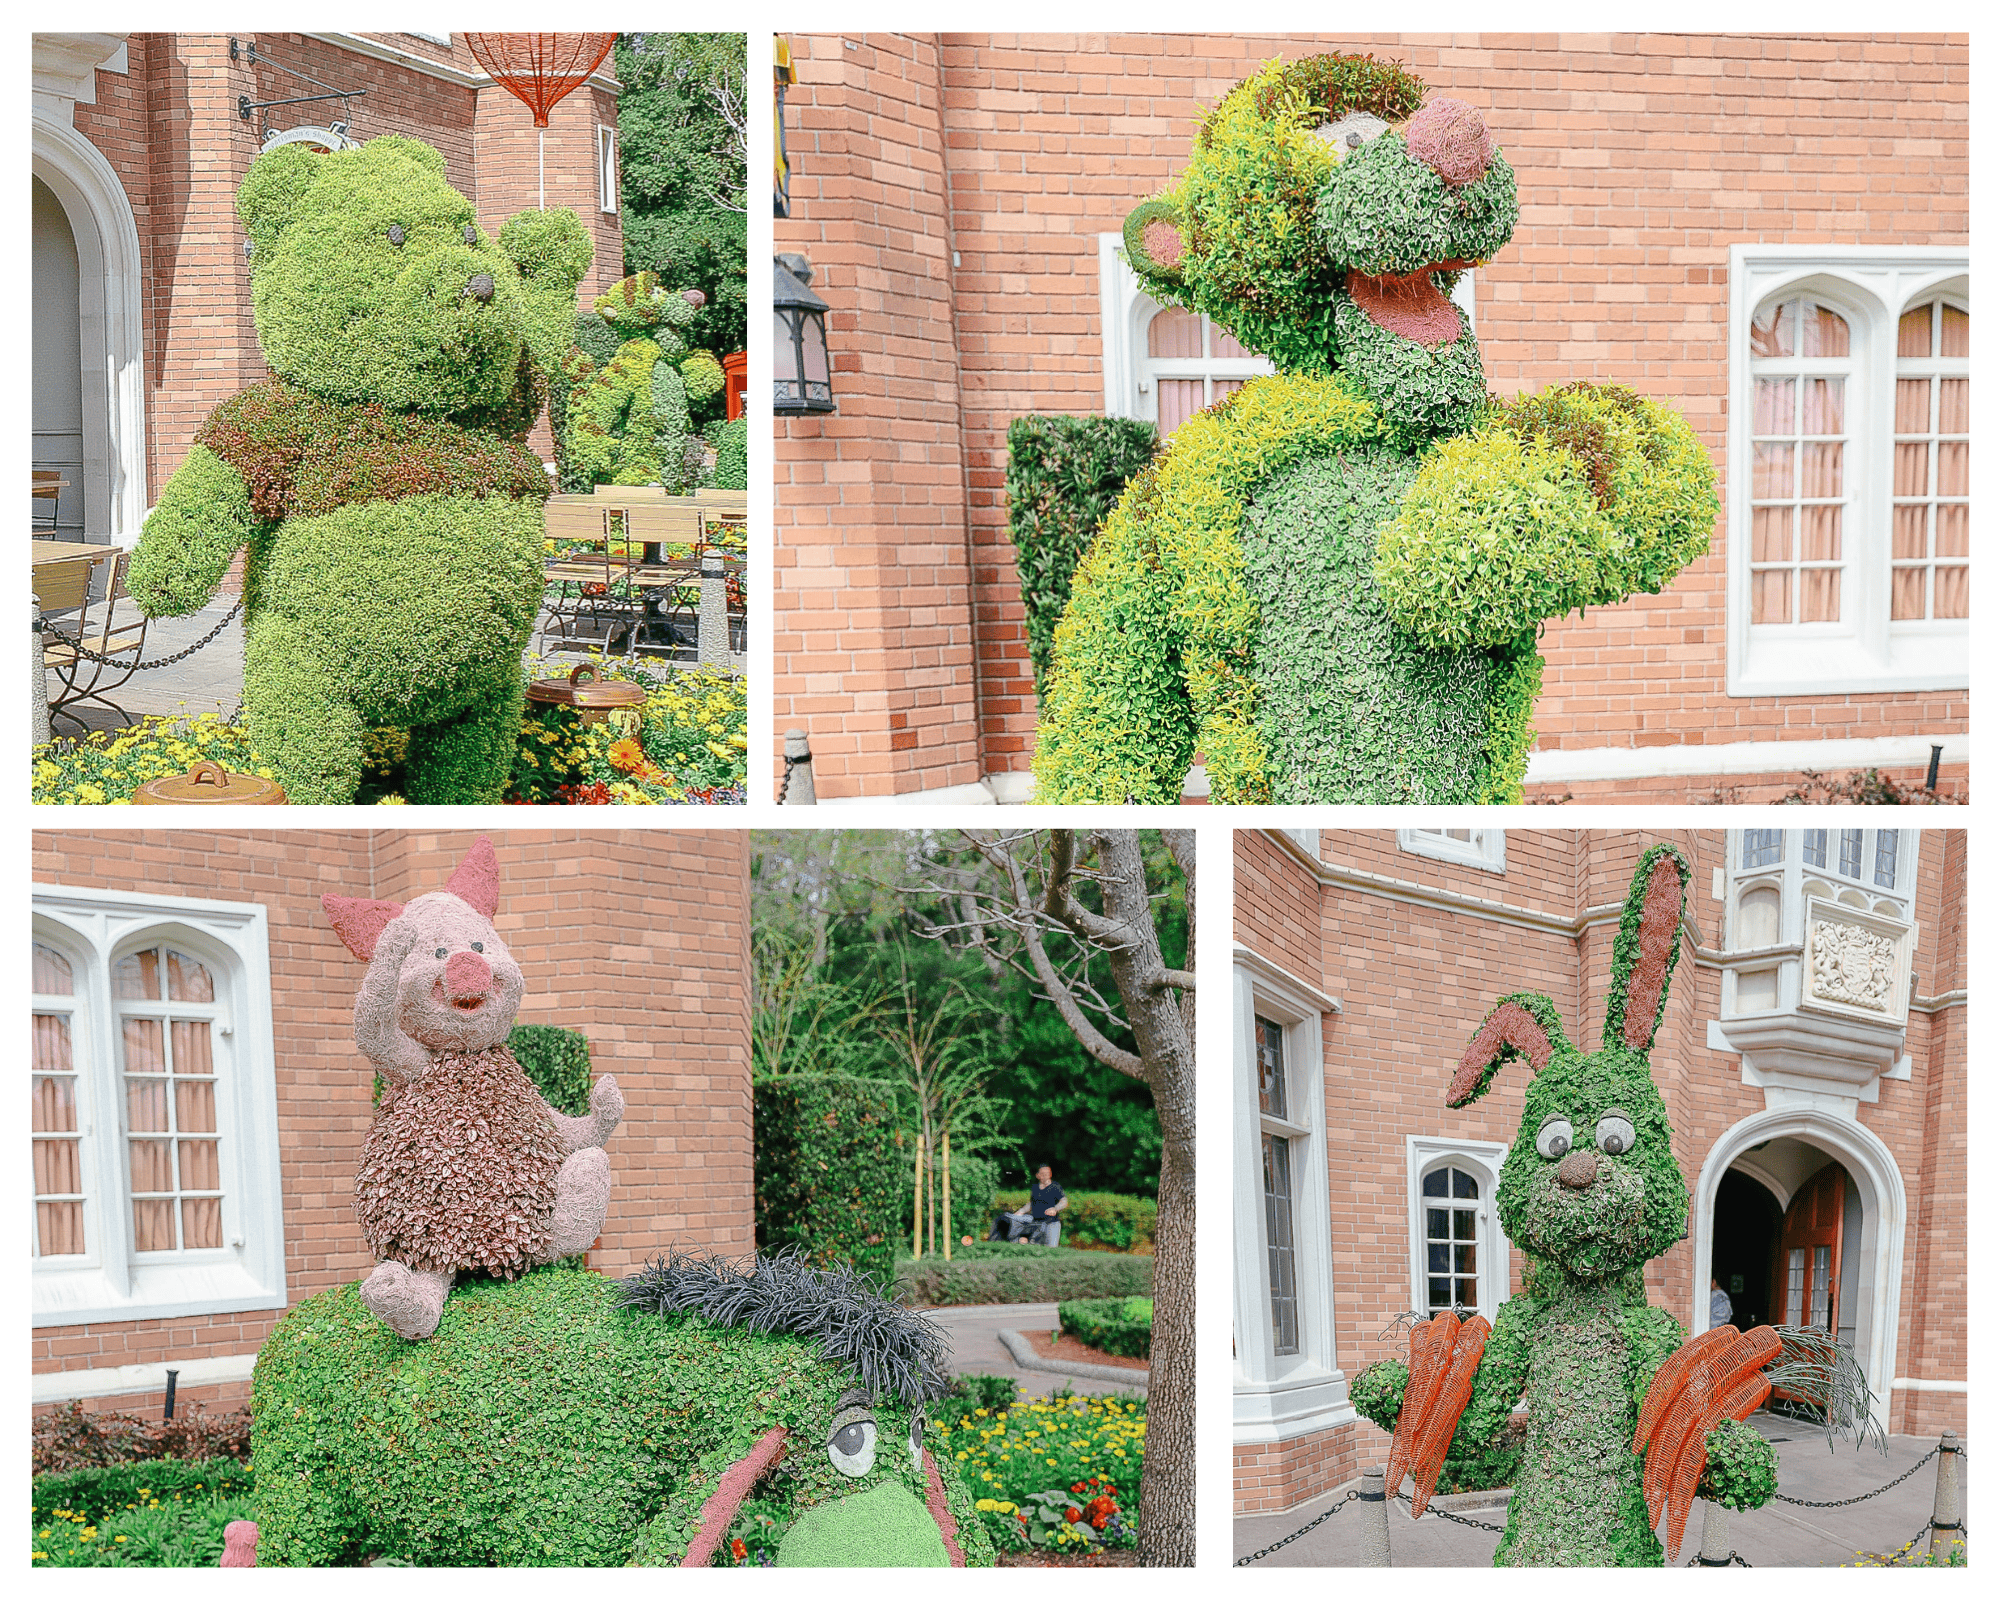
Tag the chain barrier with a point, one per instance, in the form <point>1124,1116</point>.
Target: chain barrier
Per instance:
<point>1451,1516</point>
<point>785,784</point>
<point>89,654</point>
<point>1828,1505</point>
<point>1700,1560</point>
<point>1269,1549</point>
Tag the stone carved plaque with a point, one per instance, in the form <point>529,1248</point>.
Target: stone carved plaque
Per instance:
<point>1852,966</point>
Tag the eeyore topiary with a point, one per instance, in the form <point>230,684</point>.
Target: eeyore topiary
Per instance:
<point>1625,1422</point>
<point>1330,583</point>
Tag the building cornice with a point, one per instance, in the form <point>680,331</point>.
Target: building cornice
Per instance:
<point>1264,967</point>
<point>415,61</point>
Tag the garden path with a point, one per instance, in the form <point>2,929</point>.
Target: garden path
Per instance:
<point>974,1332</point>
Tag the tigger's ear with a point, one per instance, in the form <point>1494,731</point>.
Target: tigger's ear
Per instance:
<point>1521,1027</point>
<point>1648,945</point>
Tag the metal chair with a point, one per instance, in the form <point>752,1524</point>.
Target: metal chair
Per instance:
<point>65,586</point>
<point>47,502</point>
<point>606,605</point>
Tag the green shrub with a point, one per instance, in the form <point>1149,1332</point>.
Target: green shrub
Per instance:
<point>1117,1327</point>
<point>544,1424</point>
<point>557,1062</point>
<point>1094,1220</point>
<point>973,1179</point>
<point>1064,474</point>
<point>176,1530</point>
<point>1028,1278</point>
<point>96,1492</point>
<point>732,453</point>
<point>829,1170</point>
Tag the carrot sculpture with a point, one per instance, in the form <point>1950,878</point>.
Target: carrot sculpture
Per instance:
<point>1626,1423</point>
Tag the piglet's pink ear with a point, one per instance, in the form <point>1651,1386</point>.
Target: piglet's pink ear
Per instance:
<point>359,922</point>
<point>477,880</point>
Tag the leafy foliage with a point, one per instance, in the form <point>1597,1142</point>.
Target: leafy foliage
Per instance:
<point>172,1521</point>
<point>1122,1327</point>
<point>1093,1219</point>
<point>1384,213</point>
<point>1421,393</point>
<point>557,1062</point>
<point>732,453</point>
<point>1013,1279</point>
<point>1064,474</point>
<point>830,1170</point>
<point>70,1443</point>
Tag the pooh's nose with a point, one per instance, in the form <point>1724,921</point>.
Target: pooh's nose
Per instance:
<point>467,977</point>
<point>480,286</point>
<point>1450,138</point>
<point>1578,1171</point>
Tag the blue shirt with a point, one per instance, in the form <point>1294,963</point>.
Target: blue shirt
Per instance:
<point>1041,1199</point>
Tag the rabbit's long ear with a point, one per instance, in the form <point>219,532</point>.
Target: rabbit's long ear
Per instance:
<point>1521,1027</point>
<point>1648,945</point>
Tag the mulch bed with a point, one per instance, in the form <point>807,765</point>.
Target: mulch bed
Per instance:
<point>1096,1558</point>
<point>1071,1348</point>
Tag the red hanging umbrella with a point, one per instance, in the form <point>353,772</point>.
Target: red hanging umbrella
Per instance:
<point>538,69</point>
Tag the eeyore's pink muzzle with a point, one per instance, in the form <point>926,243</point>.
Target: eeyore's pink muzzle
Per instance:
<point>468,980</point>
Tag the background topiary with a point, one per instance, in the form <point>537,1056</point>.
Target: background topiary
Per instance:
<point>1064,474</point>
<point>830,1175</point>
<point>732,453</point>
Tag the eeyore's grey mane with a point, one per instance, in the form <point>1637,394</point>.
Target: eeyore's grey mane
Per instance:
<point>894,1349</point>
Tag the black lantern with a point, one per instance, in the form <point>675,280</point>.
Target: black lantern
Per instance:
<point>804,373</point>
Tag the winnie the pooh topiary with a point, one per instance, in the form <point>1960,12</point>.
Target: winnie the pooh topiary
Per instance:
<point>380,480</point>
<point>1625,1422</point>
<point>566,1420</point>
<point>466,1169</point>
<point>1330,583</point>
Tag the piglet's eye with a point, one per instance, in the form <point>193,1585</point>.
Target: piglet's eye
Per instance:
<point>478,946</point>
<point>441,953</point>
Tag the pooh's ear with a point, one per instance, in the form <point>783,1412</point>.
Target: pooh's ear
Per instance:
<point>1523,1027</point>
<point>397,144</point>
<point>552,253</point>
<point>1648,945</point>
<point>272,196</point>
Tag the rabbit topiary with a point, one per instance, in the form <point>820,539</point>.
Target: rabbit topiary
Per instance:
<point>1623,1417</point>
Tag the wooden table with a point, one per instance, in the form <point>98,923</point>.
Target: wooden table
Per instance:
<point>52,550</point>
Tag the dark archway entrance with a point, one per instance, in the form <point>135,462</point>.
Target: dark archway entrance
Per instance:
<point>1747,1218</point>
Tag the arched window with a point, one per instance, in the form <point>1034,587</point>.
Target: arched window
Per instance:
<point>1933,460</point>
<point>164,1004</point>
<point>1190,363</point>
<point>1801,364</point>
<point>56,1120</point>
<point>1458,1250</point>
<point>1451,1239</point>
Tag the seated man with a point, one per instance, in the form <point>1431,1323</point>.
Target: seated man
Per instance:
<point>1045,1201</point>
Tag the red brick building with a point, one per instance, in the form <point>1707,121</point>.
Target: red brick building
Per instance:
<point>141,283</point>
<point>958,197</point>
<point>1819,1112</point>
<point>639,940</point>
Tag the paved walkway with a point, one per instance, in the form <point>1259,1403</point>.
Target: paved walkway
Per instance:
<point>974,1332</point>
<point>1777,1536</point>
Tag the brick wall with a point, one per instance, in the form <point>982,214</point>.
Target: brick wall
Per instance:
<point>641,940</point>
<point>1640,160</point>
<point>169,127</point>
<point>1416,979</point>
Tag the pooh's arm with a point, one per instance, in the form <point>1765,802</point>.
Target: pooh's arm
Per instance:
<point>202,520</point>
<point>1578,496</point>
<point>552,252</point>
<point>589,1131</point>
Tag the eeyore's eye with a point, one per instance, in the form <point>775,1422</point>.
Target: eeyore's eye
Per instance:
<point>851,1444</point>
<point>479,947</point>
<point>1614,1133</point>
<point>1553,1141</point>
<point>396,234</point>
<point>917,1439</point>
<point>442,952</point>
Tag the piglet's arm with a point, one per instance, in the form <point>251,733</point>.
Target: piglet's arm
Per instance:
<point>607,1106</point>
<point>397,1056</point>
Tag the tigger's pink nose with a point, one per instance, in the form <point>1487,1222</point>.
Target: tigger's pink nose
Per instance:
<point>1450,138</point>
<point>467,977</point>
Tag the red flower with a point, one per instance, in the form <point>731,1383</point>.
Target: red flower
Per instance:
<point>738,1549</point>
<point>1071,1514</point>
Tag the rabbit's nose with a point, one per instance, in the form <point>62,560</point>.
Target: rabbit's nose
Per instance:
<point>467,976</point>
<point>1579,1170</point>
<point>1450,138</point>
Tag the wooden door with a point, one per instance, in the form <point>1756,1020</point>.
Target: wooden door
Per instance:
<point>1805,1269</point>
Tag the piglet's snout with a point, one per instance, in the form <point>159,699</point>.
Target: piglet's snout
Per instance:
<point>467,979</point>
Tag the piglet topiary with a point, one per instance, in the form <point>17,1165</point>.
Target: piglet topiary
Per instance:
<point>467,1168</point>
<point>1625,1422</point>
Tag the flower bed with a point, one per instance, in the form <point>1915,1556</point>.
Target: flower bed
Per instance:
<point>688,745</point>
<point>1117,1327</point>
<point>1059,1474</point>
<point>141,1514</point>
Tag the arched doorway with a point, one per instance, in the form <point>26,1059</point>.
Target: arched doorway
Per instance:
<point>57,392</point>
<point>1828,1228</point>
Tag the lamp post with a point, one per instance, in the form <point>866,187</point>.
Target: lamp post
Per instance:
<point>804,375</point>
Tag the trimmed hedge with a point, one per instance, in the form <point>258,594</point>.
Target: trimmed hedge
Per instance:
<point>1117,1327</point>
<point>1093,1219</point>
<point>829,1172</point>
<point>95,1492</point>
<point>1037,1274</point>
<point>1064,474</point>
<point>557,1062</point>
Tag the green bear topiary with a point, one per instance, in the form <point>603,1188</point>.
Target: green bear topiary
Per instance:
<point>1331,582</point>
<point>564,1419</point>
<point>629,384</point>
<point>1624,1422</point>
<point>380,480</point>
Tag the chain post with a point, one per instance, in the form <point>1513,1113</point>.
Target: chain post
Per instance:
<point>712,621</point>
<point>1374,1518</point>
<point>1945,1514</point>
<point>41,685</point>
<point>1718,1536</point>
<point>797,789</point>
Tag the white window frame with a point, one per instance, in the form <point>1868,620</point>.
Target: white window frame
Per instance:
<point>1865,652</point>
<point>607,169</point>
<point>1282,1397</point>
<point>1124,310</point>
<point>1486,849</point>
<point>435,38</point>
<point>1425,1154</point>
<point>93,928</point>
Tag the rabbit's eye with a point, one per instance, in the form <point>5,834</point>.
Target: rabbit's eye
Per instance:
<point>1553,1142</point>
<point>442,953</point>
<point>1614,1133</point>
<point>917,1439</point>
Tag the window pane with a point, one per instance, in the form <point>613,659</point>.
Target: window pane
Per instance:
<point>1913,332</point>
<point>1437,1184</point>
<point>1763,846</point>
<point>194,1105</point>
<point>201,1224</point>
<point>1175,335</point>
<point>201,1165</point>
<point>1886,841</point>
<point>1440,1257</point>
<point>1850,852</point>
<point>1180,398</point>
<point>187,979</point>
<point>1954,407</point>
<point>1819,533</point>
<point>1825,406</point>
<point>1952,459</point>
<point>1437,1222</point>
<point>1911,539</point>
<point>137,976</point>
<point>1271,1098</point>
<point>1771,330</point>
<point>51,1046</point>
<point>1815,847</point>
<point>1775,398</point>
<point>1913,405</point>
<point>1440,1294</point>
<point>1906,593</point>
<point>52,974</point>
<point>1467,1256</point>
<point>1223,346</point>
<point>1795,1285</point>
<point>58,1166</point>
<point>1953,592</point>
<point>146,1105</point>
<point>152,1225</point>
<point>1771,534</point>
<point>1462,1223</point>
<point>1822,332</point>
<point>54,1106</point>
<point>1771,471</point>
<point>1955,334</point>
<point>1771,596</point>
<point>192,1055</point>
<point>1819,594</point>
<point>1819,471</point>
<point>1951,530</point>
<point>1278,1241</point>
<point>144,1048</point>
<point>152,1166</point>
<point>1463,1185</point>
<point>1913,468</point>
<point>59,1228</point>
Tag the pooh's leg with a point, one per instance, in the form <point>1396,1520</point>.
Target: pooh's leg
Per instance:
<point>299,716</point>
<point>583,1191</point>
<point>409,1301</point>
<point>468,759</point>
